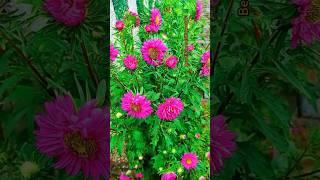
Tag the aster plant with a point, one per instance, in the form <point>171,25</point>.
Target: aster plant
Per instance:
<point>264,64</point>
<point>159,108</point>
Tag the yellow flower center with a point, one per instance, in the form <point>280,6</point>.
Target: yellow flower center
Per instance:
<point>153,53</point>
<point>79,145</point>
<point>157,20</point>
<point>135,108</point>
<point>189,161</point>
<point>313,13</point>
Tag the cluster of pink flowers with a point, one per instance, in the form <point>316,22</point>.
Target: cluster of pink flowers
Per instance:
<point>205,60</point>
<point>139,106</point>
<point>306,27</point>
<point>198,10</point>
<point>155,21</point>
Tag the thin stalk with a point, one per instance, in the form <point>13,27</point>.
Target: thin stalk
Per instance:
<point>90,69</point>
<point>186,39</point>
<point>43,81</point>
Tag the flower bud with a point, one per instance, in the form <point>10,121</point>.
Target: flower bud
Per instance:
<point>173,151</point>
<point>119,115</point>
<point>28,168</point>
<point>140,157</point>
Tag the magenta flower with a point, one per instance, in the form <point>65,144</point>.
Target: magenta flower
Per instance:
<point>119,25</point>
<point>190,47</point>
<point>155,19</point>
<point>70,13</point>
<point>137,106</point>
<point>172,62</point>
<point>205,60</point>
<point>189,161</point>
<point>306,27</point>
<point>169,176</point>
<point>153,51</point>
<point>198,10</point>
<point>222,143</point>
<point>202,178</point>
<point>76,138</point>
<point>148,28</point>
<point>139,176</point>
<point>130,62</point>
<point>205,70</point>
<point>113,53</point>
<point>124,177</point>
<point>170,109</point>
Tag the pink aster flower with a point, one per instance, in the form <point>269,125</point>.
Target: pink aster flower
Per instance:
<point>153,51</point>
<point>169,176</point>
<point>76,138</point>
<point>137,106</point>
<point>190,47</point>
<point>130,62</point>
<point>139,175</point>
<point>155,19</point>
<point>205,58</point>
<point>205,70</point>
<point>148,28</point>
<point>70,13</point>
<point>189,160</point>
<point>124,177</point>
<point>113,53</point>
<point>202,178</point>
<point>119,25</point>
<point>170,109</point>
<point>171,62</point>
<point>222,143</point>
<point>306,27</point>
<point>198,10</point>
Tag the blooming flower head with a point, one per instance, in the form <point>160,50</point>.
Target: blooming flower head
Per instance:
<point>222,143</point>
<point>139,175</point>
<point>198,10</point>
<point>189,161</point>
<point>70,13</point>
<point>169,176</point>
<point>130,62</point>
<point>306,27</point>
<point>137,106</point>
<point>119,25</point>
<point>205,58</point>
<point>113,53</point>
<point>124,177</point>
<point>205,70</point>
<point>190,47</point>
<point>155,19</point>
<point>76,138</point>
<point>153,51</point>
<point>170,109</point>
<point>171,62</point>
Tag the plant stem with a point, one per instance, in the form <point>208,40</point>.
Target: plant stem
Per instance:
<point>297,161</point>
<point>118,80</point>
<point>305,175</point>
<point>91,71</point>
<point>186,22</point>
<point>43,81</point>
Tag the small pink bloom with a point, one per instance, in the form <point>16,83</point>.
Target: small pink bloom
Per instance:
<point>169,176</point>
<point>137,106</point>
<point>124,177</point>
<point>198,136</point>
<point>139,175</point>
<point>205,71</point>
<point>153,51</point>
<point>208,155</point>
<point>113,53</point>
<point>171,62</point>
<point>190,47</point>
<point>205,58</point>
<point>119,25</point>
<point>70,13</point>
<point>202,178</point>
<point>189,160</point>
<point>198,10</point>
<point>148,28</point>
<point>130,62</point>
<point>170,109</point>
<point>155,19</point>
